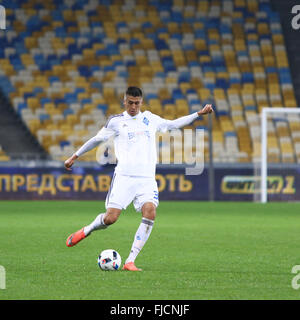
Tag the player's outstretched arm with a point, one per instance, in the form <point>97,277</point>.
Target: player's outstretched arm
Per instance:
<point>103,135</point>
<point>185,120</point>
<point>89,145</point>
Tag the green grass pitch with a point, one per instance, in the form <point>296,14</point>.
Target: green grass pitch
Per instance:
<point>197,250</point>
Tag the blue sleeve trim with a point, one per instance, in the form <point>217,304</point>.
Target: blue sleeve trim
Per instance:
<point>113,116</point>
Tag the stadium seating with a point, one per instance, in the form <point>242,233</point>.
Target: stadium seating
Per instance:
<point>3,155</point>
<point>66,64</point>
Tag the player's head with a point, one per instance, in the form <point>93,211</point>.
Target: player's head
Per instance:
<point>133,100</point>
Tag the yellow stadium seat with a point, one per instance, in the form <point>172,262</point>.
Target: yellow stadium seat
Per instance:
<point>33,103</point>
<point>72,119</point>
<point>204,93</point>
<point>170,111</point>
<point>34,125</point>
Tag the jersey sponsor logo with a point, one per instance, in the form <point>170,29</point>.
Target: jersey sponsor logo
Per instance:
<point>132,135</point>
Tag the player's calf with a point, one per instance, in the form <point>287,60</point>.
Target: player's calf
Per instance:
<point>111,216</point>
<point>102,221</point>
<point>97,224</point>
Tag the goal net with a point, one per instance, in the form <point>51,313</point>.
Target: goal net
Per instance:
<point>279,163</point>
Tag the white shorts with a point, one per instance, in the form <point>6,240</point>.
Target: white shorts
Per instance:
<point>125,189</point>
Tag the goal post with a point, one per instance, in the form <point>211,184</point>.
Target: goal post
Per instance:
<point>264,145</point>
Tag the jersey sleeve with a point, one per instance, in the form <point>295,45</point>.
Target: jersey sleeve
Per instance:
<point>109,130</point>
<point>104,134</point>
<point>164,125</point>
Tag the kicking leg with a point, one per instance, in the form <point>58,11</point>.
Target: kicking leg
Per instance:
<point>141,236</point>
<point>102,221</point>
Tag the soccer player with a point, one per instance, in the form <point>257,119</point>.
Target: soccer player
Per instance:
<point>134,176</point>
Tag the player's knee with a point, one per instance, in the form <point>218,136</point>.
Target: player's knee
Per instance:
<point>149,211</point>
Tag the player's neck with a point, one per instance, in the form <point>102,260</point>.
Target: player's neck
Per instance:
<point>133,115</point>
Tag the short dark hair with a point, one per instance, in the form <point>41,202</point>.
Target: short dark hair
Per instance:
<point>134,92</point>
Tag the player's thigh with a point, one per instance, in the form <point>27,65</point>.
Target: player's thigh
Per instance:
<point>146,199</point>
<point>121,192</point>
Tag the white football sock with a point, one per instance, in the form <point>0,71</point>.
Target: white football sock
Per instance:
<point>140,238</point>
<point>97,224</point>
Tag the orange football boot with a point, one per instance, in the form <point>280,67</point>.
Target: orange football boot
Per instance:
<point>130,266</point>
<point>75,237</point>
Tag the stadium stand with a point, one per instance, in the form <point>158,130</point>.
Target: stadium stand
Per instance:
<point>15,138</point>
<point>3,155</point>
<point>66,64</point>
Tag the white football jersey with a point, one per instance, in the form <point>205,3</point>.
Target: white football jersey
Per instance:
<point>135,140</point>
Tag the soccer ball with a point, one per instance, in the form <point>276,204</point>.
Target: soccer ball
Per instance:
<point>109,260</point>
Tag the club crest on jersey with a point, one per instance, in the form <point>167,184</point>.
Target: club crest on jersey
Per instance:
<point>146,121</point>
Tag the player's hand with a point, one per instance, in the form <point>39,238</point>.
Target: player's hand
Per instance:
<point>206,109</point>
<point>69,162</point>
